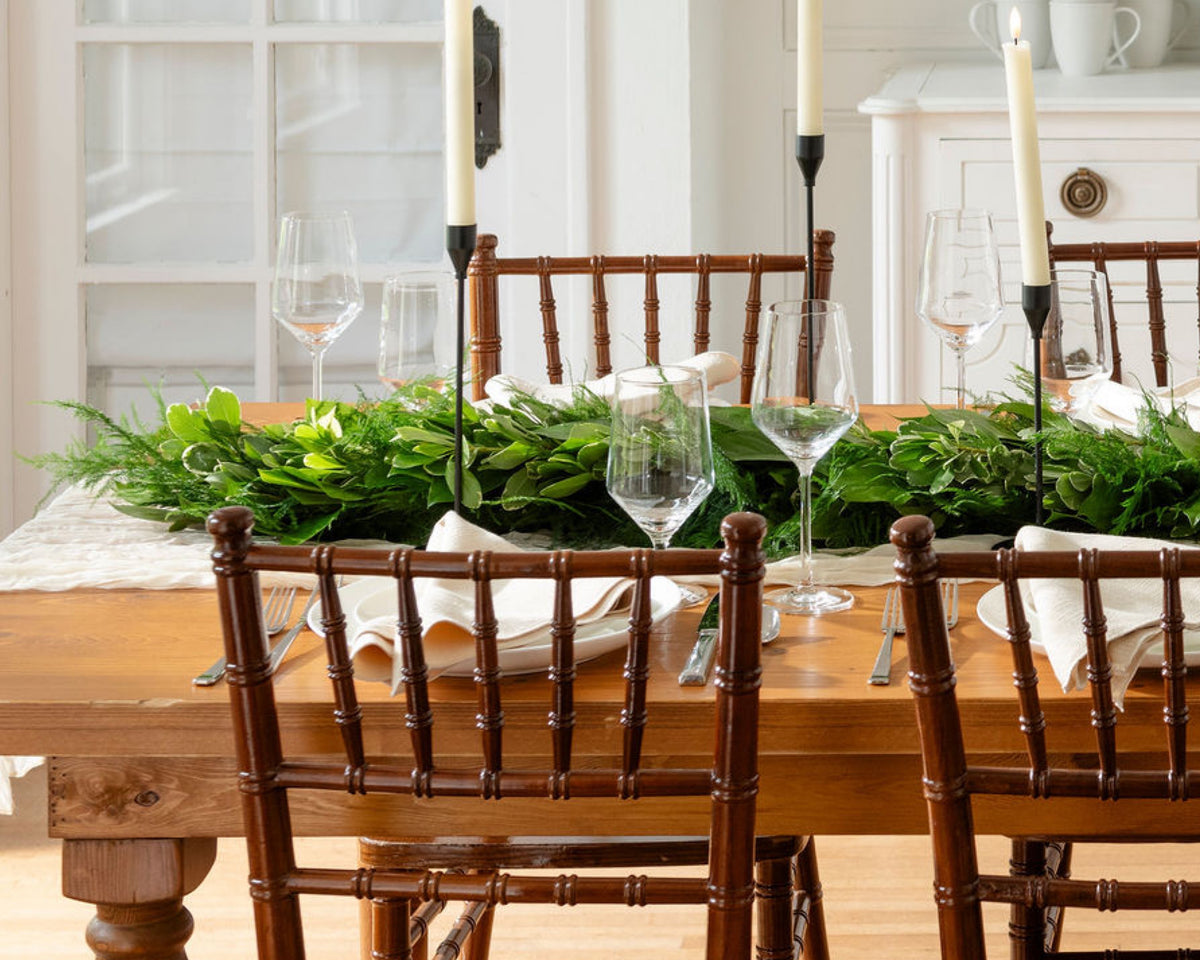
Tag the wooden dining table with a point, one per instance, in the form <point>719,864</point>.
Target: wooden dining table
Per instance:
<point>142,780</point>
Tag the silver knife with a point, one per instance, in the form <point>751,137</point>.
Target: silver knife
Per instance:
<point>695,670</point>
<point>279,651</point>
<point>214,673</point>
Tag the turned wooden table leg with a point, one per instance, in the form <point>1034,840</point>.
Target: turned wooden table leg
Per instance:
<point>138,888</point>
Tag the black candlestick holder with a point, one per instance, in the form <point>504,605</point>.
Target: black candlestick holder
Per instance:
<point>460,244</point>
<point>1035,301</point>
<point>810,151</point>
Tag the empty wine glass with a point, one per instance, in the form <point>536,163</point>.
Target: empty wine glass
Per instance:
<point>959,293</point>
<point>805,419</point>
<point>1076,344</point>
<point>316,293</point>
<point>660,462</point>
<point>416,328</point>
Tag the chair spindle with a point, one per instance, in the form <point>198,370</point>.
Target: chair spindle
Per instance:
<point>490,716</point>
<point>562,671</point>
<point>651,305</point>
<point>1174,673</point>
<point>554,367</point>
<point>603,338</point>
<point>1158,322</point>
<point>414,673</point>
<point>750,332</point>
<point>703,302</point>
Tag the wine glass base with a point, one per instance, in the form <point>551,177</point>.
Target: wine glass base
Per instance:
<point>811,600</point>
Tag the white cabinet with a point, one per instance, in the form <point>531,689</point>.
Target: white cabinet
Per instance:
<point>940,139</point>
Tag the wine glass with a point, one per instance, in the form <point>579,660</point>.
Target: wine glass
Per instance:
<point>1076,346</point>
<point>316,293</point>
<point>416,329</point>
<point>660,461</point>
<point>959,293</point>
<point>804,417</point>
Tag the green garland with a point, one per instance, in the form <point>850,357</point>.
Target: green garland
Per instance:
<point>383,469</point>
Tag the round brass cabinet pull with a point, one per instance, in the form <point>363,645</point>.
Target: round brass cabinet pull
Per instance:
<point>1084,193</point>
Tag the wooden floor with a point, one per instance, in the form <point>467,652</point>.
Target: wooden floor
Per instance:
<point>877,896</point>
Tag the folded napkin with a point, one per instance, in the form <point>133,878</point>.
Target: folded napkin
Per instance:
<point>1118,405</point>
<point>1131,607</point>
<point>718,368</point>
<point>523,607</point>
<point>856,568</point>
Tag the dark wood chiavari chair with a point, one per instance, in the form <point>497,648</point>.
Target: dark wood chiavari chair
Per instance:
<point>405,900</point>
<point>486,269</point>
<point>1151,253</point>
<point>1038,886</point>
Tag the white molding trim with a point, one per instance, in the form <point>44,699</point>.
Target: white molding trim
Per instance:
<point>909,37</point>
<point>891,148</point>
<point>8,399</point>
<point>277,32</point>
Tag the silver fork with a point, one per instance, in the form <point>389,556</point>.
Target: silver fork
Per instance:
<point>892,623</point>
<point>276,614</point>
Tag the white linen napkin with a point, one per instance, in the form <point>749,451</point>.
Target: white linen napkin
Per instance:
<point>1118,405</point>
<point>1131,607</point>
<point>523,608</point>
<point>718,368</point>
<point>856,568</point>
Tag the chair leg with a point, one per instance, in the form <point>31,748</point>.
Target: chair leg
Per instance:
<point>773,898</point>
<point>389,930</point>
<point>1027,925</point>
<point>808,885</point>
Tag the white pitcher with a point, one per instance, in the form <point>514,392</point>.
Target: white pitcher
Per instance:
<point>1085,32</point>
<point>1156,37</point>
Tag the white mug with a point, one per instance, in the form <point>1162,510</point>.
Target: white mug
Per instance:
<point>994,31</point>
<point>1155,38</point>
<point>1083,33</point>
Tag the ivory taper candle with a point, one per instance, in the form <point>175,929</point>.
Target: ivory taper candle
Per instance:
<point>1027,167</point>
<point>460,113</point>
<point>809,96</point>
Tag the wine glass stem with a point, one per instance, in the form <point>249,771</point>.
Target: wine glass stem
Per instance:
<point>316,389</point>
<point>806,562</point>
<point>961,391</point>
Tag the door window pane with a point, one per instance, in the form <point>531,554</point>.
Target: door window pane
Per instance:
<point>360,128</point>
<point>358,11</point>
<point>168,152</point>
<point>166,11</point>
<point>141,335</point>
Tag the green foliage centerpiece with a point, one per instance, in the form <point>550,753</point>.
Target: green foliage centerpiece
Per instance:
<point>384,470</point>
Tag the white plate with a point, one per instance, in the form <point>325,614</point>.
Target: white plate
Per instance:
<point>992,614</point>
<point>591,639</point>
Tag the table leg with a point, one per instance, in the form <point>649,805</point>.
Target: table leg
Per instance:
<point>138,888</point>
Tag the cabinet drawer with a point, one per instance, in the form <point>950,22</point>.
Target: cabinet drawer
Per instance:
<point>1153,186</point>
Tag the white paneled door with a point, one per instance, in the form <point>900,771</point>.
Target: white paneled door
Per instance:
<point>154,143</point>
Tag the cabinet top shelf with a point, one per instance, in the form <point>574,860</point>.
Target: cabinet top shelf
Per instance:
<point>979,88</point>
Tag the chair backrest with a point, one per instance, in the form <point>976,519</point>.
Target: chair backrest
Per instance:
<point>266,775</point>
<point>486,268</point>
<point>1151,253</point>
<point>1055,765</point>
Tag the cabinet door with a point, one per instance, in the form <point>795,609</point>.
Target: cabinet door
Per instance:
<point>1153,194</point>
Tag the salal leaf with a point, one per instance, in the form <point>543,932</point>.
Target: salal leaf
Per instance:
<point>565,488</point>
<point>519,485</point>
<point>318,461</point>
<point>472,493</point>
<point>511,457</point>
<point>307,529</point>
<point>222,406</point>
<point>187,424</point>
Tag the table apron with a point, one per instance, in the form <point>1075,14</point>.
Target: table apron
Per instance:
<point>121,797</point>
